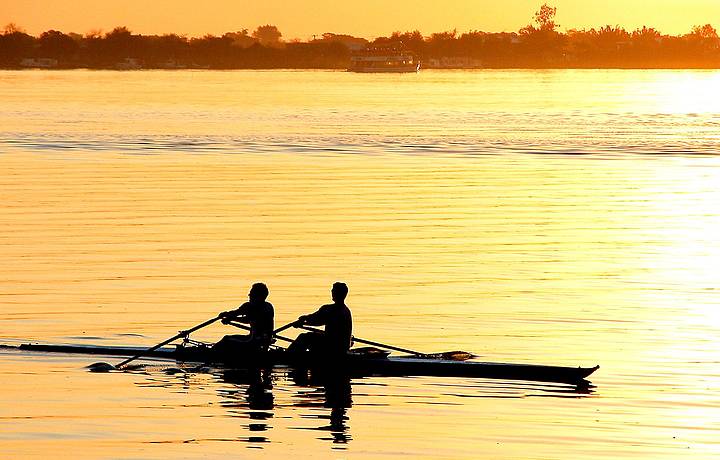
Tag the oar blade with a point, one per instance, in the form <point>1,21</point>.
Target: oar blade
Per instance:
<point>369,352</point>
<point>101,367</point>
<point>451,355</point>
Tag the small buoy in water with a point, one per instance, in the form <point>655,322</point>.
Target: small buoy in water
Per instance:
<point>101,367</point>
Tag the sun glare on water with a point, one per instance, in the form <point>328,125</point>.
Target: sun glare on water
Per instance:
<point>686,249</point>
<point>689,93</point>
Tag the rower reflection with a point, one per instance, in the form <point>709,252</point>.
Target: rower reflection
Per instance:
<point>258,394</point>
<point>332,392</point>
<point>253,398</point>
<point>255,401</point>
<point>338,397</point>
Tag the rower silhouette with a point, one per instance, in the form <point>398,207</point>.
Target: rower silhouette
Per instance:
<point>259,314</point>
<point>337,319</point>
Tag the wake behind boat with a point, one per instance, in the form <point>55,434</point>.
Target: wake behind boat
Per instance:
<point>360,362</point>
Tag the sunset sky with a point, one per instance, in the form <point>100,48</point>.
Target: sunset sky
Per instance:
<point>367,18</point>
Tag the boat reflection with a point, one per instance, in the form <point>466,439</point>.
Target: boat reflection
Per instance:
<point>276,399</point>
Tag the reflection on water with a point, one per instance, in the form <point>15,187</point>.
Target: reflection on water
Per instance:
<point>474,113</point>
<point>253,398</point>
<point>323,403</point>
<point>330,392</point>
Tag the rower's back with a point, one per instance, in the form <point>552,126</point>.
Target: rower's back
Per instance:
<point>260,314</point>
<point>337,319</point>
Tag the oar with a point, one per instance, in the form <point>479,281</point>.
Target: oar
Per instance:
<point>452,355</point>
<point>181,334</point>
<point>275,333</point>
<point>287,326</point>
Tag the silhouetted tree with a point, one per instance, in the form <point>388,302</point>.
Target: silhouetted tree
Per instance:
<point>414,41</point>
<point>442,44</point>
<point>702,42</point>
<point>15,45</point>
<point>542,45</point>
<point>119,44</point>
<point>545,18</point>
<point>212,51</point>
<point>11,28</point>
<point>268,35</point>
<point>705,36</point>
<point>164,51</point>
<point>707,32</point>
<point>57,45</point>
<point>342,38</point>
<point>243,39</point>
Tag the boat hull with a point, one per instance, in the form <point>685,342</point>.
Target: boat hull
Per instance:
<point>397,69</point>
<point>354,365</point>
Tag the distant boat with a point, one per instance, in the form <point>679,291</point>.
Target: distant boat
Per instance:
<point>384,59</point>
<point>128,64</point>
<point>39,63</point>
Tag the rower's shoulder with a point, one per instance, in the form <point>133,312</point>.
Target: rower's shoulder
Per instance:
<point>255,305</point>
<point>335,307</point>
<point>264,304</point>
<point>327,309</point>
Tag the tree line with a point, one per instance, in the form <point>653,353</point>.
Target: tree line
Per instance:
<point>537,45</point>
<point>263,48</point>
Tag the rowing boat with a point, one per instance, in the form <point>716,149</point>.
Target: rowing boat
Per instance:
<point>355,363</point>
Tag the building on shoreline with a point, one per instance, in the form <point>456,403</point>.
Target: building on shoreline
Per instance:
<point>453,62</point>
<point>39,63</point>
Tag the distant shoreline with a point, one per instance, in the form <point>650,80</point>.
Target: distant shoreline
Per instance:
<point>342,69</point>
<point>538,46</point>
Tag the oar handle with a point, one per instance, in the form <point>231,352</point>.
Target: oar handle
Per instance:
<point>369,342</point>
<point>181,334</point>
<point>247,328</point>
<point>287,326</point>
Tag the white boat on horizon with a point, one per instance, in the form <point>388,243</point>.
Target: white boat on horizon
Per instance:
<point>384,59</point>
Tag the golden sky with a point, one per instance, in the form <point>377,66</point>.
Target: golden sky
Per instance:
<point>367,18</point>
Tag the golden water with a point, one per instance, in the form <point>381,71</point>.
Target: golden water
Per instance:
<point>561,217</point>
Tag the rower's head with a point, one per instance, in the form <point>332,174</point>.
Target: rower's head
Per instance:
<point>258,292</point>
<point>339,292</point>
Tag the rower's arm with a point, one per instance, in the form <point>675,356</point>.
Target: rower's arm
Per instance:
<point>239,314</point>
<point>315,319</point>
